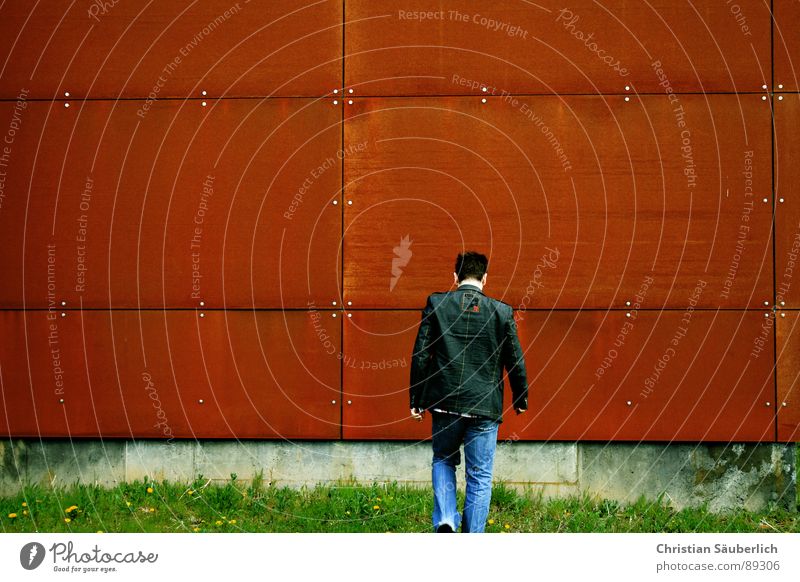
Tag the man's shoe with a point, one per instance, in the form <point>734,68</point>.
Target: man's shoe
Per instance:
<point>444,528</point>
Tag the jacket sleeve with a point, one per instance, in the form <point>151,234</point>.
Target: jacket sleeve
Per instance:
<point>421,356</point>
<point>514,363</point>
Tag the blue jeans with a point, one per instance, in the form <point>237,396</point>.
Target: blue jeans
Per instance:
<point>479,436</point>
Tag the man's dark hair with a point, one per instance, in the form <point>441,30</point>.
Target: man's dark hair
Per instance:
<point>471,265</point>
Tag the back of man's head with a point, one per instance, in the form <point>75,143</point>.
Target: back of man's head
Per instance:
<point>471,265</point>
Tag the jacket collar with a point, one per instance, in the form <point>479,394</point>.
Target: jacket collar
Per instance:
<point>471,287</point>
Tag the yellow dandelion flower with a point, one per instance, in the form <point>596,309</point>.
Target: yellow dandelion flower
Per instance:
<point>376,507</point>
<point>99,531</point>
<point>491,522</point>
<point>128,503</point>
<point>152,509</point>
<point>67,520</point>
<point>70,509</point>
<point>232,521</point>
<point>196,529</point>
<point>12,515</point>
<point>24,512</point>
<point>347,512</point>
<point>191,492</point>
<point>377,499</point>
<point>149,489</point>
<point>219,522</point>
<point>24,504</point>
<point>507,526</point>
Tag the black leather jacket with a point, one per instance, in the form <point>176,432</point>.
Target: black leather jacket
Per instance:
<point>464,342</point>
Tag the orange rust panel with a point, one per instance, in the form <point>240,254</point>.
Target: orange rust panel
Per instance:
<point>787,44</point>
<point>461,47</point>
<point>705,376</point>
<point>153,374</point>
<point>788,365</point>
<point>229,204</point>
<point>579,201</point>
<point>787,207</point>
<point>102,49</point>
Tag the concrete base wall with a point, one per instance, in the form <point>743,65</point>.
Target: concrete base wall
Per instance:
<point>726,476</point>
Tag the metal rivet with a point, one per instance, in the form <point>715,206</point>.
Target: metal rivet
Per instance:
<point>783,315</point>
<point>61,400</point>
<point>766,302</point>
<point>628,314</point>
<point>780,86</point>
<point>628,403</point>
<point>66,104</point>
<point>783,404</point>
<point>63,314</point>
<point>780,200</point>
<point>783,302</point>
<point>66,93</point>
<point>767,403</point>
<point>349,401</point>
<point>336,90</point>
<point>349,90</point>
<point>349,302</point>
<point>349,101</point>
<point>483,89</point>
<point>763,97</point>
<point>627,98</point>
<point>336,102</point>
<point>333,302</point>
<point>780,97</point>
<point>203,104</point>
<point>349,315</point>
<point>202,303</point>
<point>627,87</point>
<point>202,315</point>
<point>763,86</point>
<point>483,100</point>
<point>765,200</point>
<point>333,315</point>
<point>333,402</point>
<point>627,303</point>
<point>200,401</point>
<point>335,202</point>
<point>349,202</point>
<point>766,315</point>
<point>203,93</point>
<point>63,303</point>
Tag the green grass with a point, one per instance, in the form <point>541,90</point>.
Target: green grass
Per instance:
<point>253,507</point>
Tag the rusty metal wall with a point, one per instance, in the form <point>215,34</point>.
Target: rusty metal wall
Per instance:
<point>246,204</point>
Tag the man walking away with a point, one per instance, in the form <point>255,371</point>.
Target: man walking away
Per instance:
<point>465,341</point>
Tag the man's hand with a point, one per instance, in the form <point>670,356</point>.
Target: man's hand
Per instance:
<point>417,414</point>
<point>520,410</point>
